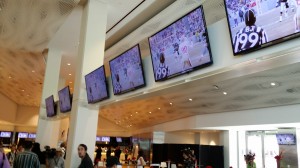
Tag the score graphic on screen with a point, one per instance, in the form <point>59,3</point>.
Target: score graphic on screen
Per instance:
<point>254,23</point>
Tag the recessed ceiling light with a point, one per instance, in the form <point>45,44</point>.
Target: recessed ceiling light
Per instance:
<point>33,71</point>
<point>27,95</point>
<point>150,112</point>
<point>131,115</point>
<point>190,99</point>
<point>158,108</point>
<point>70,74</point>
<point>9,77</point>
<point>216,87</point>
<point>171,104</point>
<point>225,93</point>
<point>71,88</point>
<point>70,82</point>
<point>136,112</point>
<point>23,90</point>
<point>69,64</point>
<point>273,84</point>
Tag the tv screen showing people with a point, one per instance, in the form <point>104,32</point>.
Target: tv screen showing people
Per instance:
<point>50,106</point>
<point>127,71</point>
<point>5,134</point>
<point>286,139</point>
<point>255,24</point>
<point>181,47</point>
<point>65,99</point>
<point>22,135</point>
<point>96,85</point>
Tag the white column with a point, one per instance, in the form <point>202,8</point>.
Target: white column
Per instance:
<point>48,131</point>
<point>229,140</point>
<point>197,138</point>
<point>84,117</point>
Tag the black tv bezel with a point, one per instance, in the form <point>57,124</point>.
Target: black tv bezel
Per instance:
<point>191,69</point>
<point>263,46</point>
<point>70,97</point>
<point>295,138</point>
<point>23,133</point>
<point>54,107</point>
<point>106,85</point>
<point>143,74</point>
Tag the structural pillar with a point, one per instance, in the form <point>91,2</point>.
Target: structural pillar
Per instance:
<point>47,129</point>
<point>84,117</point>
<point>229,139</point>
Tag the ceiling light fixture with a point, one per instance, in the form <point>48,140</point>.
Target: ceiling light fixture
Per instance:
<point>158,108</point>
<point>225,93</point>
<point>70,82</point>
<point>23,90</point>
<point>171,104</point>
<point>33,71</point>
<point>273,84</point>
<point>131,115</point>
<point>70,74</point>
<point>9,77</point>
<point>216,87</point>
<point>150,112</point>
<point>136,112</point>
<point>68,64</point>
<point>190,99</point>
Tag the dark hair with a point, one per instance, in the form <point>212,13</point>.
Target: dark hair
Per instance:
<point>250,18</point>
<point>162,58</point>
<point>36,148</point>
<point>140,153</point>
<point>84,146</point>
<point>27,144</point>
<point>111,160</point>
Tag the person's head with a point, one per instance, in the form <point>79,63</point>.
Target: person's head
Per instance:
<point>47,148</point>
<point>111,162</point>
<point>250,18</point>
<point>36,147</point>
<point>162,58</point>
<point>27,145</point>
<point>13,147</point>
<point>58,152</point>
<point>82,149</point>
<point>63,145</point>
<point>20,148</point>
<point>140,153</point>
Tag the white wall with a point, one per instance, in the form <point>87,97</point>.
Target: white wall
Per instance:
<point>8,109</point>
<point>179,138</point>
<point>210,138</point>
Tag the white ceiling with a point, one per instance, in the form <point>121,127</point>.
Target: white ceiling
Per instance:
<point>248,86</point>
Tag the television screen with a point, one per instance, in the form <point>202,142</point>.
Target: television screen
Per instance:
<point>98,139</point>
<point>105,139</point>
<point>22,135</point>
<point>181,47</point>
<point>286,139</point>
<point>5,134</point>
<point>96,85</point>
<point>257,24</point>
<point>127,71</point>
<point>32,136</point>
<point>50,106</point>
<point>65,99</point>
<point>119,139</point>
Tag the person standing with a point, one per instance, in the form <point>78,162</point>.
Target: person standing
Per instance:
<point>12,154</point>
<point>27,159</point>
<point>140,161</point>
<point>118,152</point>
<point>4,163</point>
<point>57,161</point>
<point>86,161</point>
<point>37,150</point>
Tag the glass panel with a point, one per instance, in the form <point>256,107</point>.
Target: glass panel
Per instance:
<point>255,146</point>
<point>271,150</point>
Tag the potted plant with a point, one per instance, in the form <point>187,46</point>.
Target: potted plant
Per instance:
<point>249,159</point>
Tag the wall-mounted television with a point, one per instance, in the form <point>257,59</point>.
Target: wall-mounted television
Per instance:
<point>50,106</point>
<point>181,47</point>
<point>65,100</point>
<point>286,139</point>
<point>5,134</point>
<point>127,71</point>
<point>22,135</point>
<point>119,139</point>
<point>96,85</point>
<point>98,139</point>
<point>105,139</point>
<point>31,136</point>
<point>257,24</point>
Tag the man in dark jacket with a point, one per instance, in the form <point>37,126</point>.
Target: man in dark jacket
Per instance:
<point>86,161</point>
